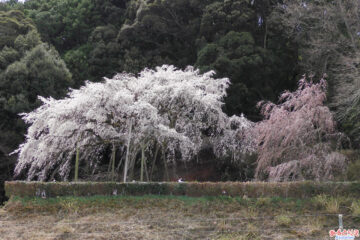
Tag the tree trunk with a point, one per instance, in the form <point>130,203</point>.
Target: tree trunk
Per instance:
<point>166,177</point>
<point>154,160</point>
<point>146,171</point>
<point>120,162</point>
<point>127,153</point>
<point>109,166</point>
<point>142,162</point>
<point>52,177</point>
<point>113,155</point>
<point>77,164</point>
<point>265,35</point>
<point>132,164</point>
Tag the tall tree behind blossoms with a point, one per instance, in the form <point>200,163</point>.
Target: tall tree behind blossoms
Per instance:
<point>28,68</point>
<point>327,33</point>
<point>298,138</point>
<point>174,109</point>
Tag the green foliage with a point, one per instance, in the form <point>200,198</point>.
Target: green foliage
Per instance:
<point>283,220</point>
<point>8,55</point>
<point>100,38</point>
<point>39,72</point>
<point>221,17</point>
<point>83,32</point>
<point>160,32</point>
<point>68,203</point>
<point>103,59</point>
<point>350,123</point>
<point>77,62</point>
<point>207,56</point>
<point>26,42</point>
<point>355,207</point>
<point>28,68</point>
<point>237,56</point>
<point>13,23</point>
<point>353,170</point>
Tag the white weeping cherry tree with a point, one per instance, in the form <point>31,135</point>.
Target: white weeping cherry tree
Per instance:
<point>163,110</point>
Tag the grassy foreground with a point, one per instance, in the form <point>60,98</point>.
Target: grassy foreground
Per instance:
<point>176,217</point>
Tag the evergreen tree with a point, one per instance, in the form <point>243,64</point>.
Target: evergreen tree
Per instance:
<point>28,68</point>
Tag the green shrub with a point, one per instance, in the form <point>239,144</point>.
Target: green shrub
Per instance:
<point>355,208</point>
<point>261,190</point>
<point>332,205</point>
<point>353,171</point>
<point>283,220</point>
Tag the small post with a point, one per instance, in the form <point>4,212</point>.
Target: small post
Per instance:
<point>341,222</point>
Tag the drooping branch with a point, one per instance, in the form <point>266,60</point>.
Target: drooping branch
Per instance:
<point>177,109</point>
<point>297,136</point>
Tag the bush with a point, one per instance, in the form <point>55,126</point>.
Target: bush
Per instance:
<point>353,170</point>
<point>260,190</point>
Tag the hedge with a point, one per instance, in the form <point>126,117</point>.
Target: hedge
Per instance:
<point>301,189</point>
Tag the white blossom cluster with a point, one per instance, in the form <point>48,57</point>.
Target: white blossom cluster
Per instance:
<point>175,108</point>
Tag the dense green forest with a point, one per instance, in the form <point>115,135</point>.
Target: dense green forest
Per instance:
<point>263,46</point>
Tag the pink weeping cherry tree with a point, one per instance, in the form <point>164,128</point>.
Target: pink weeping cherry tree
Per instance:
<point>298,138</point>
<point>164,110</point>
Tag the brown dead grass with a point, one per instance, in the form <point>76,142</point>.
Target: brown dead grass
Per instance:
<point>162,218</point>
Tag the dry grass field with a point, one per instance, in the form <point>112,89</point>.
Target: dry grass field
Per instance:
<point>170,217</point>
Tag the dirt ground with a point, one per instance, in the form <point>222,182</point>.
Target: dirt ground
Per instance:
<point>170,218</point>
